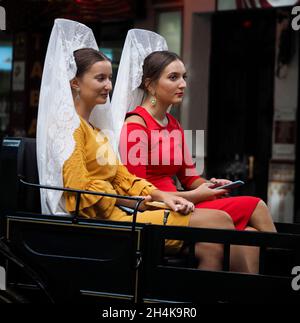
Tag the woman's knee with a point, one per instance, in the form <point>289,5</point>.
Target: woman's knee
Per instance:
<point>248,228</point>
<point>261,205</point>
<point>261,218</point>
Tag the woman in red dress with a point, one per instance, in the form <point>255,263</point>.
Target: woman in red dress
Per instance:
<point>152,146</point>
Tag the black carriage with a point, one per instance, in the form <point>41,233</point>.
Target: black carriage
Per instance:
<point>67,258</point>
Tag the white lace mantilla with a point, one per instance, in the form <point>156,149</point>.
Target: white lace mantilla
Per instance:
<point>138,45</point>
<point>57,118</point>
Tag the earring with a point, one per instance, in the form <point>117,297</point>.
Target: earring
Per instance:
<point>153,101</point>
<point>78,94</point>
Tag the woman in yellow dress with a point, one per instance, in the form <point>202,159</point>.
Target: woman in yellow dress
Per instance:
<point>73,152</point>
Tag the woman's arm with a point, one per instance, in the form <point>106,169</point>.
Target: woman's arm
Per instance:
<point>197,183</point>
<point>198,188</point>
<point>203,192</point>
<point>188,195</point>
<point>126,183</point>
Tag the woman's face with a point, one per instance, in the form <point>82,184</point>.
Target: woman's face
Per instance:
<point>95,84</point>
<point>170,87</point>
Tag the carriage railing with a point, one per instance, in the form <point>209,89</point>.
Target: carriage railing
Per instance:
<point>157,235</point>
<point>266,286</point>
<point>263,240</point>
<point>190,235</point>
<point>76,213</point>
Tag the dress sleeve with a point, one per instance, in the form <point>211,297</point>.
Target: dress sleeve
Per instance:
<point>134,148</point>
<point>76,175</point>
<point>126,183</point>
<point>187,173</point>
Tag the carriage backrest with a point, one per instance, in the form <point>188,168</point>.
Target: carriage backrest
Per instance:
<point>18,158</point>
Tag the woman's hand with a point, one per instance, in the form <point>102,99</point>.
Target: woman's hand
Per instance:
<point>176,203</point>
<point>179,204</point>
<point>206,192</point>
<point>219,182</point>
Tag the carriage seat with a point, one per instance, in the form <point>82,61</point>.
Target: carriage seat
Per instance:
<point>18,158</point>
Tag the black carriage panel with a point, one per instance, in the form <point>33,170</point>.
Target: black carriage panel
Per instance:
<point>79,261</point>
<point>182,282</point>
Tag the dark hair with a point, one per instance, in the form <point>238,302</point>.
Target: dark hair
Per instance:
<point>154,64</point>
<point>86,57</point>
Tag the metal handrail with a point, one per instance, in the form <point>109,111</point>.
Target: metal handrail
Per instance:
<point>78,192</point>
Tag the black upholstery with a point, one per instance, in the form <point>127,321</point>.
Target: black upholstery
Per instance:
<point>18,158</point>
<point>31,198</point>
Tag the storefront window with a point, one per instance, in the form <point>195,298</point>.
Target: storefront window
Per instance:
<point>6,52</point>
<point>170,27</point>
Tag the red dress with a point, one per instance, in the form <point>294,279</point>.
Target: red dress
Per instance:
<point>159,154</point>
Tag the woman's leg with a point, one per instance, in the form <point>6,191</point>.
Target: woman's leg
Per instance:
<point>261,219</point>
<point>244,258</point>
<point>210,255</point>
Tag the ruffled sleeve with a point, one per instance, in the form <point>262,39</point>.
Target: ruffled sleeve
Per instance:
<point>76,175</point>
<point>126,183</point>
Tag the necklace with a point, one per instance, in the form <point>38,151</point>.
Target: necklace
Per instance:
<point>163,122</point>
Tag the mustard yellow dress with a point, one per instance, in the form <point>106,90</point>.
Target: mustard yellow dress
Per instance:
<point>94,166</point>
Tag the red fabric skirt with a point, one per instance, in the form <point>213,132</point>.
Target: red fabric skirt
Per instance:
<point>240,208</point>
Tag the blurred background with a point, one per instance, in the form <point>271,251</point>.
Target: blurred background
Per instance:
<point>242,58</point>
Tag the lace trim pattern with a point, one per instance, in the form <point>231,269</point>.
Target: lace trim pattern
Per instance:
<point>57,117</point>
<point>139,44</point>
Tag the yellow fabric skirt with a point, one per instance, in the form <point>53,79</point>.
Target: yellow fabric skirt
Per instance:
<point>156,217</point>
